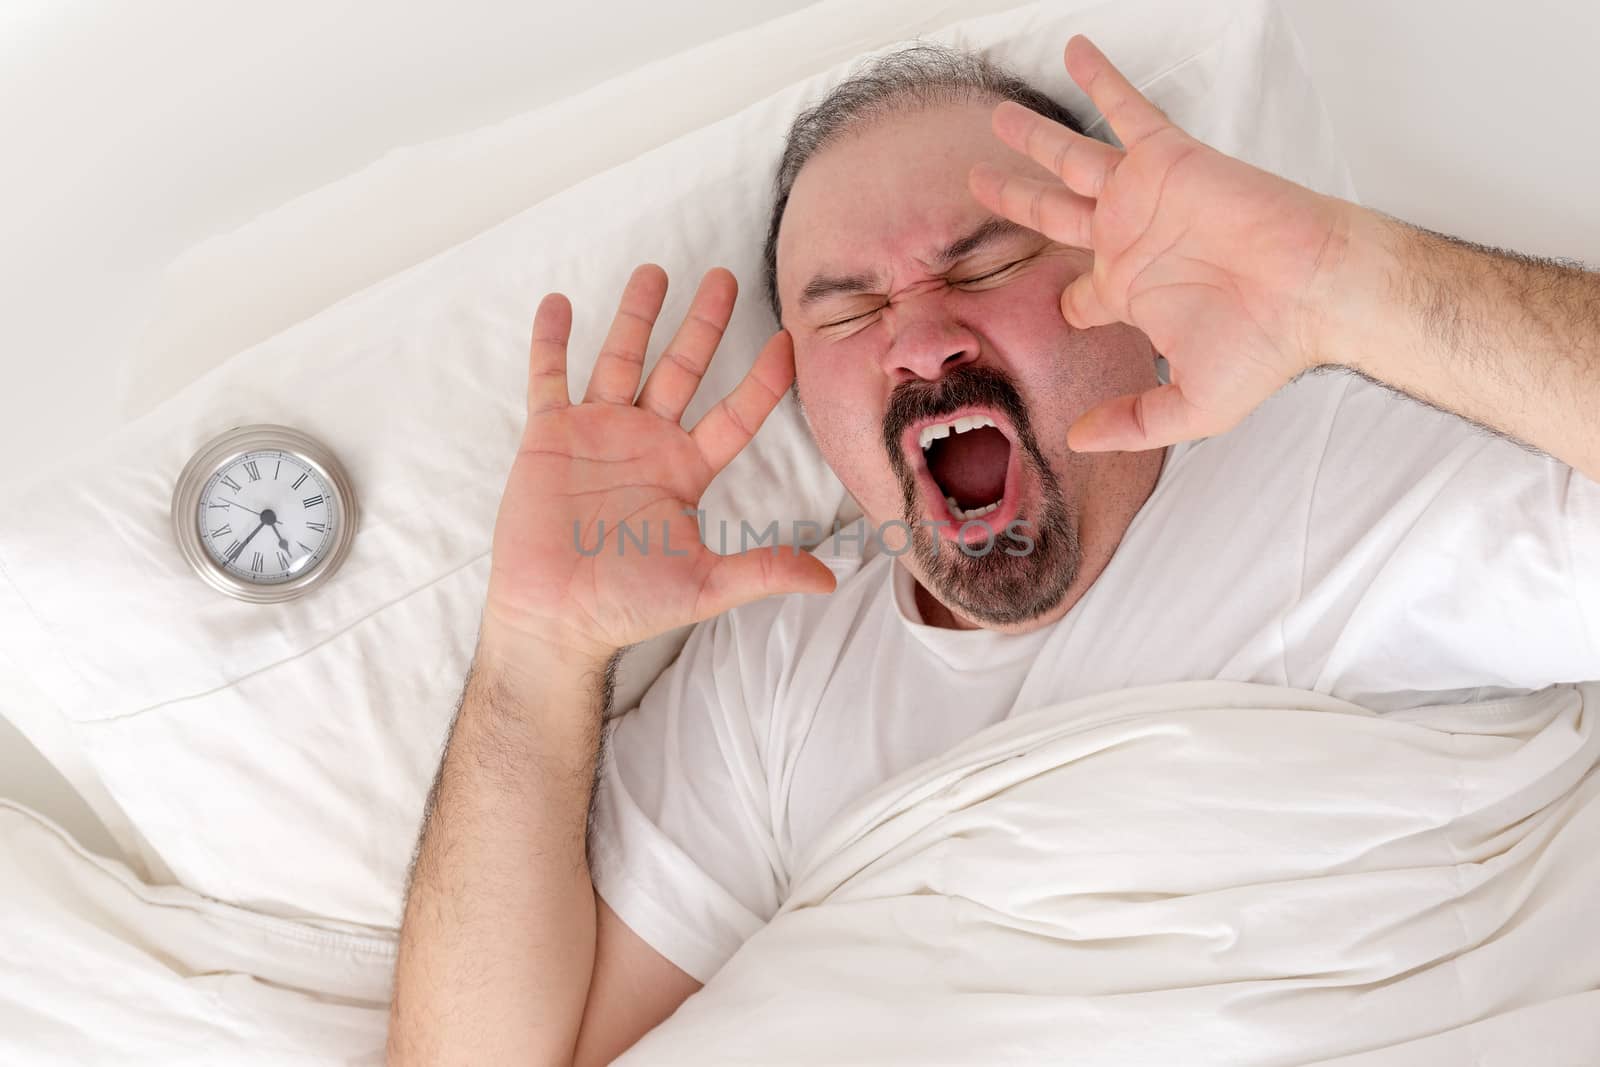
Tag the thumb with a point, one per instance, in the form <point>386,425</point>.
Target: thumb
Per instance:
<point>1138,421</point>
<point>761,572</point>
<point>1081,305</point>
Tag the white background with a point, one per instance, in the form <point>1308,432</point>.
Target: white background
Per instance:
<point>131,132</point>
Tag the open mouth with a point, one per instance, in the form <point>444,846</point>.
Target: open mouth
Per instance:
<point>967,466</point>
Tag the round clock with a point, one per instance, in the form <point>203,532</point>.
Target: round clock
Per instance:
<point>264,513</point>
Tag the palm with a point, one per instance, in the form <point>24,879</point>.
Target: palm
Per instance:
<point>1199,248</point>
<point>584,474</point>
<point>597,543</point>
<point>1212,258</point>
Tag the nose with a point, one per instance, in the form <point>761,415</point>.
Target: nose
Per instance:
<point>926,341</point>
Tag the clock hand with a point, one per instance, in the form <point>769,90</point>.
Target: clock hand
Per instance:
<point>270,518</point>
<point>246,541</point>
<point>236,504</point>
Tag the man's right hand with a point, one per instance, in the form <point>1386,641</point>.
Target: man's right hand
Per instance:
<point>583,471</point>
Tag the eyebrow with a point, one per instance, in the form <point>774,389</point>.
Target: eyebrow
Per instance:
<point>990,229</point>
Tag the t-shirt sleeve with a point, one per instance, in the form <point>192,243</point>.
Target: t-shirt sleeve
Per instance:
<point>682,845</point>
<point>1442,558</point>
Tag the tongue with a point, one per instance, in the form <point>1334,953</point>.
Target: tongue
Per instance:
<point>971,466</point>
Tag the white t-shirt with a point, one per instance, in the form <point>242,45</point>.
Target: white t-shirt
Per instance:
<point>1342,539</point>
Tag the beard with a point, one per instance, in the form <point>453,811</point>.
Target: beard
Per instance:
<point>1004,586</point>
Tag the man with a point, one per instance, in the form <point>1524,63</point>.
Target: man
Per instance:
<point>1324,534</point>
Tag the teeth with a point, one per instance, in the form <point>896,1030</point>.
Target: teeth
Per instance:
<point>975,513</point>
<point>930,434</point>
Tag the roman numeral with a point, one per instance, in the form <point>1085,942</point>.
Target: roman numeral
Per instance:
<point>223,506</point>
<point>234,549</point>
<point>230,483</point>
<point>283,560</point>
<point>255,561</point>
<point>250,469</point>
<point>298,480</point>
<point>276,469</point>
<point>317,526</point>
<point>305,546</point>
<point>312,501</point>
<point>225,528</point>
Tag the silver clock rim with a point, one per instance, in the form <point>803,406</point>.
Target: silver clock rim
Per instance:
<point>217,454</point>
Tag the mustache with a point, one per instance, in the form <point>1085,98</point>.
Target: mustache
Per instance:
<point>966,386</point>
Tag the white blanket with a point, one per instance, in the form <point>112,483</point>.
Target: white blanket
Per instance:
<point>1188,874</point>
<point>98,968</point>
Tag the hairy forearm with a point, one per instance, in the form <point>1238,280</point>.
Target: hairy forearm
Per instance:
<point>497,943</point>
<point>1508,341</point>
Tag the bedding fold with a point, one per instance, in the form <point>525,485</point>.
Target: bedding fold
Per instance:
<point>97,967</point>
<point>1194,873</point>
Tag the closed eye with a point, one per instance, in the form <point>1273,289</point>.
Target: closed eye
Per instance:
<point>852,318</point>
<point>962,281</point>
<point>991,274</point>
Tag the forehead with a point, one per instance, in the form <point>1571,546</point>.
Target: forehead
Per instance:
<point>888,195</point>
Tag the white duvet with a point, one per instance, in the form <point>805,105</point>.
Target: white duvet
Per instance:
<point>97,967</point>
<point>1188,874</point>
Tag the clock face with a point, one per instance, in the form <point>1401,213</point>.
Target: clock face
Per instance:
<point>267,517</point>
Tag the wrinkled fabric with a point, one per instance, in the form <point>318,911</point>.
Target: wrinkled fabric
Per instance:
<point>1194,873</point>
<point>98,968</point>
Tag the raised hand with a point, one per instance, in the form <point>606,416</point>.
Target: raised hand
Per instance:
<point>585,471</point>
<point>1222,265</point>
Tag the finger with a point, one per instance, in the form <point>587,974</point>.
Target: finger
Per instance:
<point>1058,213</point>
<point>547,355</point>
<point>728,427</point>
<point>616,371</point>
<point>1083,163</point>
<point>761,572</point>
<point>1081,305</point>
<point>1151,419</point>
<point>1131,115</point>
<point>677,373</point>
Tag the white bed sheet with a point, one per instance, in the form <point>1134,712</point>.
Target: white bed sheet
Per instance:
<point>1205,874</point>
<point>97,967</point>
<point>1284,878</point>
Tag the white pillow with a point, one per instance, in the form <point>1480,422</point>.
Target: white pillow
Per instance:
<point>278,756</point>
<point>195,320</point>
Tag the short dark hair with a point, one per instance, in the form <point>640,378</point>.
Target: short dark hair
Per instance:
<point>918,75</point>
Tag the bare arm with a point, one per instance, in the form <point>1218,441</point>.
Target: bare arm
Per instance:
<point>497,952</point>
<point>506,954</point>
<point>1509,341</point>
<point>634,988</point>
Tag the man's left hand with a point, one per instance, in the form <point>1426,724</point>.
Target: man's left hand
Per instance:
<point>1224,266</point>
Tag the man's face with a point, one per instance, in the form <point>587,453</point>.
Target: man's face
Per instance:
<point>912,307</point>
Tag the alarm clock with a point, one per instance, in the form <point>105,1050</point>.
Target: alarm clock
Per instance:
<point>264,513</point>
